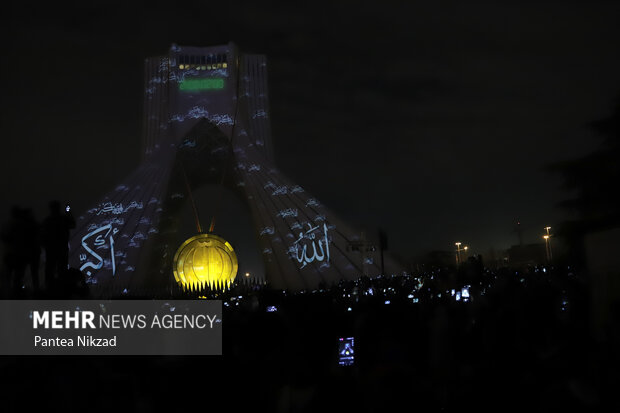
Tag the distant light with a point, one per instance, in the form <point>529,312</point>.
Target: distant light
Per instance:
<point>458,296</point>
<point>465,292</point>
<point>410,296</point>
<point>387,302</point>
<point>349,309</point>
<point>452,292</point>
<point>247,274</point>
<point>270,309</point>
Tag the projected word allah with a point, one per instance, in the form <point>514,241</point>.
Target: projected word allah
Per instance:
<point>302,247</point>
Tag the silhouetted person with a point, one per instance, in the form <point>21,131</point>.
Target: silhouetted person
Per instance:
<point>32,245</point>
<point>13,235</point>
<point>56,228</point>
<point>72,284</point>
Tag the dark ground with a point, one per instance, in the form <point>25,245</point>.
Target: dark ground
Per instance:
<point>523,342</point>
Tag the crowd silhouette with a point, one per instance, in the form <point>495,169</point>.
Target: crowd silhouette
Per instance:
<point>26,242</point>
<point>443,339</point>
<point>517,340</point>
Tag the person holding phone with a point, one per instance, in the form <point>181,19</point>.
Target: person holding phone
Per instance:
<point>56,229</point>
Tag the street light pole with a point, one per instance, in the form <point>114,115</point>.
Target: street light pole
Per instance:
<point>549,243</point>
<point>458,253</point>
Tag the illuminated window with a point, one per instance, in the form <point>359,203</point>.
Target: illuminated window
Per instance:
<point>181,66</point>
<point>224,65</point>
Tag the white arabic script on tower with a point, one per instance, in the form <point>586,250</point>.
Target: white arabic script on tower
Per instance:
<point>301,251</point>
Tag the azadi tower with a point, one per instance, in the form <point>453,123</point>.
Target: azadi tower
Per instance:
<point>206,121</point>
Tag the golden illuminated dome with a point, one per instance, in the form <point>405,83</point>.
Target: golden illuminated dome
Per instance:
<point>205,260</point>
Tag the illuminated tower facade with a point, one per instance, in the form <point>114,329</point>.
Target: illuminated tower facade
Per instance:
<point>206,120</point>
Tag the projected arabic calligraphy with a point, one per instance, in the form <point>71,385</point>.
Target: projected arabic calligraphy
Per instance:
<point>117,209</point>
<point>192,85</point>
<point>114,231</point>
<point>188,111</point>
<point>303,247</point>
<point>98,243</point>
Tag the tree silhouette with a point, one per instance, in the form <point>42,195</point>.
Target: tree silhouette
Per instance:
<point>595,179</point>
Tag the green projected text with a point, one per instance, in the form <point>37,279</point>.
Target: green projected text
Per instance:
<point>192,85</point>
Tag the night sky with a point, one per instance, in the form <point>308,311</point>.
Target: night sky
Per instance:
<point>433,121</point>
